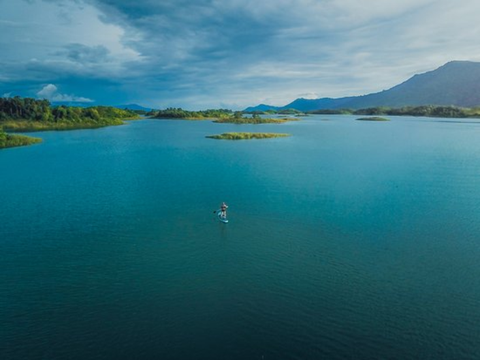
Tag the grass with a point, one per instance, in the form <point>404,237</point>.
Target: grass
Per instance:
<point>9,140</point>
<point>28,125</point>
<point>373,118</point>
<point>246,136</point>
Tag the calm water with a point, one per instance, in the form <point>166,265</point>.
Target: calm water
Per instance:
<point>348,240</point>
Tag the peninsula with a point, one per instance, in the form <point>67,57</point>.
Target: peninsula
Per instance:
<point>8,140</point>
<point>26,114</point>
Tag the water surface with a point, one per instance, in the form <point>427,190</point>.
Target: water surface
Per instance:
<point>347,240</point>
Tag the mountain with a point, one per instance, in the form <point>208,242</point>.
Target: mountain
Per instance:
<point>315,104</point>
<point>262,107</point>
<point>455,83</point>
<point>133,107</point>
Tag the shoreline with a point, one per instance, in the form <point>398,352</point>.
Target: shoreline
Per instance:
<point>246,136</point>
<point>11,140</point>
<point>15,126</point>
<point>9,129</point>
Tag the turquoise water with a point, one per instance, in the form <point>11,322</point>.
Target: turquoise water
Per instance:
<point>348,240</point>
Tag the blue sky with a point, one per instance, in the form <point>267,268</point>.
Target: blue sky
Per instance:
<point>225,53</point>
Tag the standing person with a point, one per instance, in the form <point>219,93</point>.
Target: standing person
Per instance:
<point>223,209</point>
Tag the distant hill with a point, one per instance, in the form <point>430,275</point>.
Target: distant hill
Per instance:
<point>262,107</point>
<point>455,83</point>
<point>133,107</point>
<point>315,104</point>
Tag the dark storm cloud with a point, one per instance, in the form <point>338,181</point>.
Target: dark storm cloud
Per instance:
<point>205,53</point>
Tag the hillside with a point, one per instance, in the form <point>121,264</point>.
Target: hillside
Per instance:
<point>262,107</point>
<point>455,83</point>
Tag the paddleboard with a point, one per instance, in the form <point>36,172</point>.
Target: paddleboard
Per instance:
<point>220,217</point>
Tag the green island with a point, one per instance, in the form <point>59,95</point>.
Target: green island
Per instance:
<point>293,112</point>
<point>246,136</point>
<point>220,116</point>
<point>9,140</point>
<point>255,119</point>
<point>373,118</point>
<point>179,113</point>
<point>26,114</point>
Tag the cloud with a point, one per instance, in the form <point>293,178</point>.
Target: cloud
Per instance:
<point>277,49</point>
<point>205,53</point>
<point>7,95</point>
<point>50,92</point>
<point>62,31</point>
<point>86,54</point>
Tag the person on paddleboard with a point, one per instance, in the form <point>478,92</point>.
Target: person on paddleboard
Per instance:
<point>223,209</point>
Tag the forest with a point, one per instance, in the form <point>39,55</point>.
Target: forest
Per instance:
<point>178,113</point>
<point>27,114</point>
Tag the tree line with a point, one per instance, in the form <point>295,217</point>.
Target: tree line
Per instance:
<point>18,108</point>
<point>179,113</point>
<point>425,110</point>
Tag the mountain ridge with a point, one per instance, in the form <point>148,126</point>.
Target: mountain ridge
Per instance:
<point>455,83</point>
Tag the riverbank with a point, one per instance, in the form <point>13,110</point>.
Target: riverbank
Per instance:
<point>33,126</point>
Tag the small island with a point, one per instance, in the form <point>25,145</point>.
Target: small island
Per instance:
<point>222,116</point>
<point>181,114</point>
<point>254,120</point>
<point>373,118</point>
<point>246,136</point>
<point>8,140</point>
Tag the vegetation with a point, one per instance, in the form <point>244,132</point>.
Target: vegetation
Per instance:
<point>254,120</point>
<point>138,112</point>
<point>221,116</point>
<point>178,113</point>
<point>332,112</point>
<point>281,112</point>
<point>426,110</point>
<point>290,112</point>
<point>8,140</point>
<point>26,114</point>
<point>246,136</point>
<point>373,118</point>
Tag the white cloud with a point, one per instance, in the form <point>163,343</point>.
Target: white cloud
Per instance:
<point>7,95</point>
<point>50,92</point>
<point>44,29</point>
<point>241,52</point>
<point>308,96</point>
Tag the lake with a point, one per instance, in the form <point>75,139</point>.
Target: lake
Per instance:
<point>347,240</point>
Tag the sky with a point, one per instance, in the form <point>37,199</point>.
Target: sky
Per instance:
<point>201,54</point>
